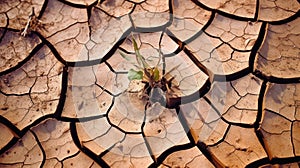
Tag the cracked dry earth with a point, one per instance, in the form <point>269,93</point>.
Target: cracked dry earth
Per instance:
<point>63,98</point>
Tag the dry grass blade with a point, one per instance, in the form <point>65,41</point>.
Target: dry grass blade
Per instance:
<point>174,68</point>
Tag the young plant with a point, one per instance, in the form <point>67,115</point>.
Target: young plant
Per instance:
<point>157,86</point>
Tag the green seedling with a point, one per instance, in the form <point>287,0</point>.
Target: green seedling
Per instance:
<point>157,85</point>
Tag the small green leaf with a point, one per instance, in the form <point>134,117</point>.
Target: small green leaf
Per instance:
<point>156,74</point>
<point>135,46</point>
<point>132,74</point>
<point>139,58</point>
<point>124,56</point>
<point>136,50</point>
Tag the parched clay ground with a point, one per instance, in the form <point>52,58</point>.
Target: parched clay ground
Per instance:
<point>62,83</point>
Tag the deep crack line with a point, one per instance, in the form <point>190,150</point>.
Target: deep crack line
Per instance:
<point>85,150</point>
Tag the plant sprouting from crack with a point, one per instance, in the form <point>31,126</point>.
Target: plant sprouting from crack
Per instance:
<point>158,86</point>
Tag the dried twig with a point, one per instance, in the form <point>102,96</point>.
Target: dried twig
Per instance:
<point>26,29</point>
